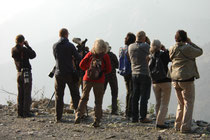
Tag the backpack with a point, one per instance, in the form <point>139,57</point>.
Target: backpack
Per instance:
<point>157,71</point>
<point>94,72</point>
<point>124,63</point>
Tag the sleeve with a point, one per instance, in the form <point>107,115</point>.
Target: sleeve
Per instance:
<point>76,54</point>
<point>115,60</point>
<point>54,51</point>
<point>192,51</point>
<point>108,67</point>
<point>85,62</point>
<point>165,56</point>
<point>14,53</point>
<point>31,52</point>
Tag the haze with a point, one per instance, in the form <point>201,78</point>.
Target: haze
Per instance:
<point>39,21</point>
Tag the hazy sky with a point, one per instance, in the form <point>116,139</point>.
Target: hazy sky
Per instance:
<point>40,20</point>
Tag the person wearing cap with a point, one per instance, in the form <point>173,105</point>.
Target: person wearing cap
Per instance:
<point>111,78</point>
<point>138,53</point>
<point>99,53</point>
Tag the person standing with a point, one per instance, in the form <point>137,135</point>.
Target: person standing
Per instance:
<point>158,64</point>
<point>97,58</point>
<point>111,78</point>
<point>21,54</point>
<point>63,52</point>
<point>183,72</point>
<point>138,53</point>
<point>123,53</point>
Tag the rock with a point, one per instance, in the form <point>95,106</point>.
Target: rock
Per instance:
<point>171,116</point>
<point>32,119</point>
<point>202,123</point>
<point>196,136</point>
<point>35,104</point>
<point>171,121</point>
<point>162,131</point>
<point>1,124</point>
<point>69,111</point>
<point>31,133</point>
<point>208,128</point>
<point>17,131</point>
<point>76,135</point>
<point>110,137</point>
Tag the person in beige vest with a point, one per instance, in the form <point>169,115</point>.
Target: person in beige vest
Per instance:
<point>183,72</point>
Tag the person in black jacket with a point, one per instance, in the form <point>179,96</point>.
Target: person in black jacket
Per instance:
<point>21,54</point>
<point>162,84</point>
<point>63,52</point>
<point>111,78</point>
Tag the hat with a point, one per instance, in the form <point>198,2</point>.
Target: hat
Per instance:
<point>76,40</point>
<point>108,46</point>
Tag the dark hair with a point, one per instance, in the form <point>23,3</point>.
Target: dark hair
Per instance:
<point>130,38</point>
<point>181,36</point>
<point>147,40</point>
<point>63,32</point>
<point>19,39</point>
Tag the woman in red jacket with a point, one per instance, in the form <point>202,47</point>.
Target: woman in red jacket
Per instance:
<point>99,53</point>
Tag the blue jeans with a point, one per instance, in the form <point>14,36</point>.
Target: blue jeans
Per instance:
<point>141,88</point>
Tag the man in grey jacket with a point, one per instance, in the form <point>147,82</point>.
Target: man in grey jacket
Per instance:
<point>138,53</point>
<point>183,72</point>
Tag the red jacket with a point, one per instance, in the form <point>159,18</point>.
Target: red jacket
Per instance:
<point>85,64</point>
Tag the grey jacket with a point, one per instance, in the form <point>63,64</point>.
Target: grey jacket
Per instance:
<point>183,57</point>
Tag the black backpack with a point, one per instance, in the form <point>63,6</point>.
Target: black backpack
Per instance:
<point>157,71</point>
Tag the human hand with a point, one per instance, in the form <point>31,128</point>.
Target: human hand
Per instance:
<point>189,40</point>
<point>26,43</point>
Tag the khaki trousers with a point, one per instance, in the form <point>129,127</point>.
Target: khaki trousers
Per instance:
<point>98,90</point>
<point>185,92</point>
<point>162,93</point>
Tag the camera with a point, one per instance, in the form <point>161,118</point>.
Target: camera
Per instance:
<point>52,73</point>
<point>25,75</point>
<point>80,44</point>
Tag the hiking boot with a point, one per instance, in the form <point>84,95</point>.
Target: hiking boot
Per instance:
<point>59,121</point>
<point>145,120</point>
<point>20,116</point>
<point>188,131</point>
<point>162,126</point>
<point>27,115</point>
<point>95,124</point>
<point>114,113</point>
<point>135,120</point>
<point>77,120</point>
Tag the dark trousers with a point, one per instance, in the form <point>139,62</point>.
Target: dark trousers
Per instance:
<point>24,94</point>
<point>60,83</point>
<point>112,80</point>
<point>141,91</point>
<point>129,88</point>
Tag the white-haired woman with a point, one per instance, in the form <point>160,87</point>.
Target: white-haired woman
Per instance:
<point>159,59</point>
<point>97,56</point>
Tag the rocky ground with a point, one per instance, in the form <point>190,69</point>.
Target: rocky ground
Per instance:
<point>42,126</point>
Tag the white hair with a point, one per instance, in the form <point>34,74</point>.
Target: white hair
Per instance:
<point>155,46</point>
